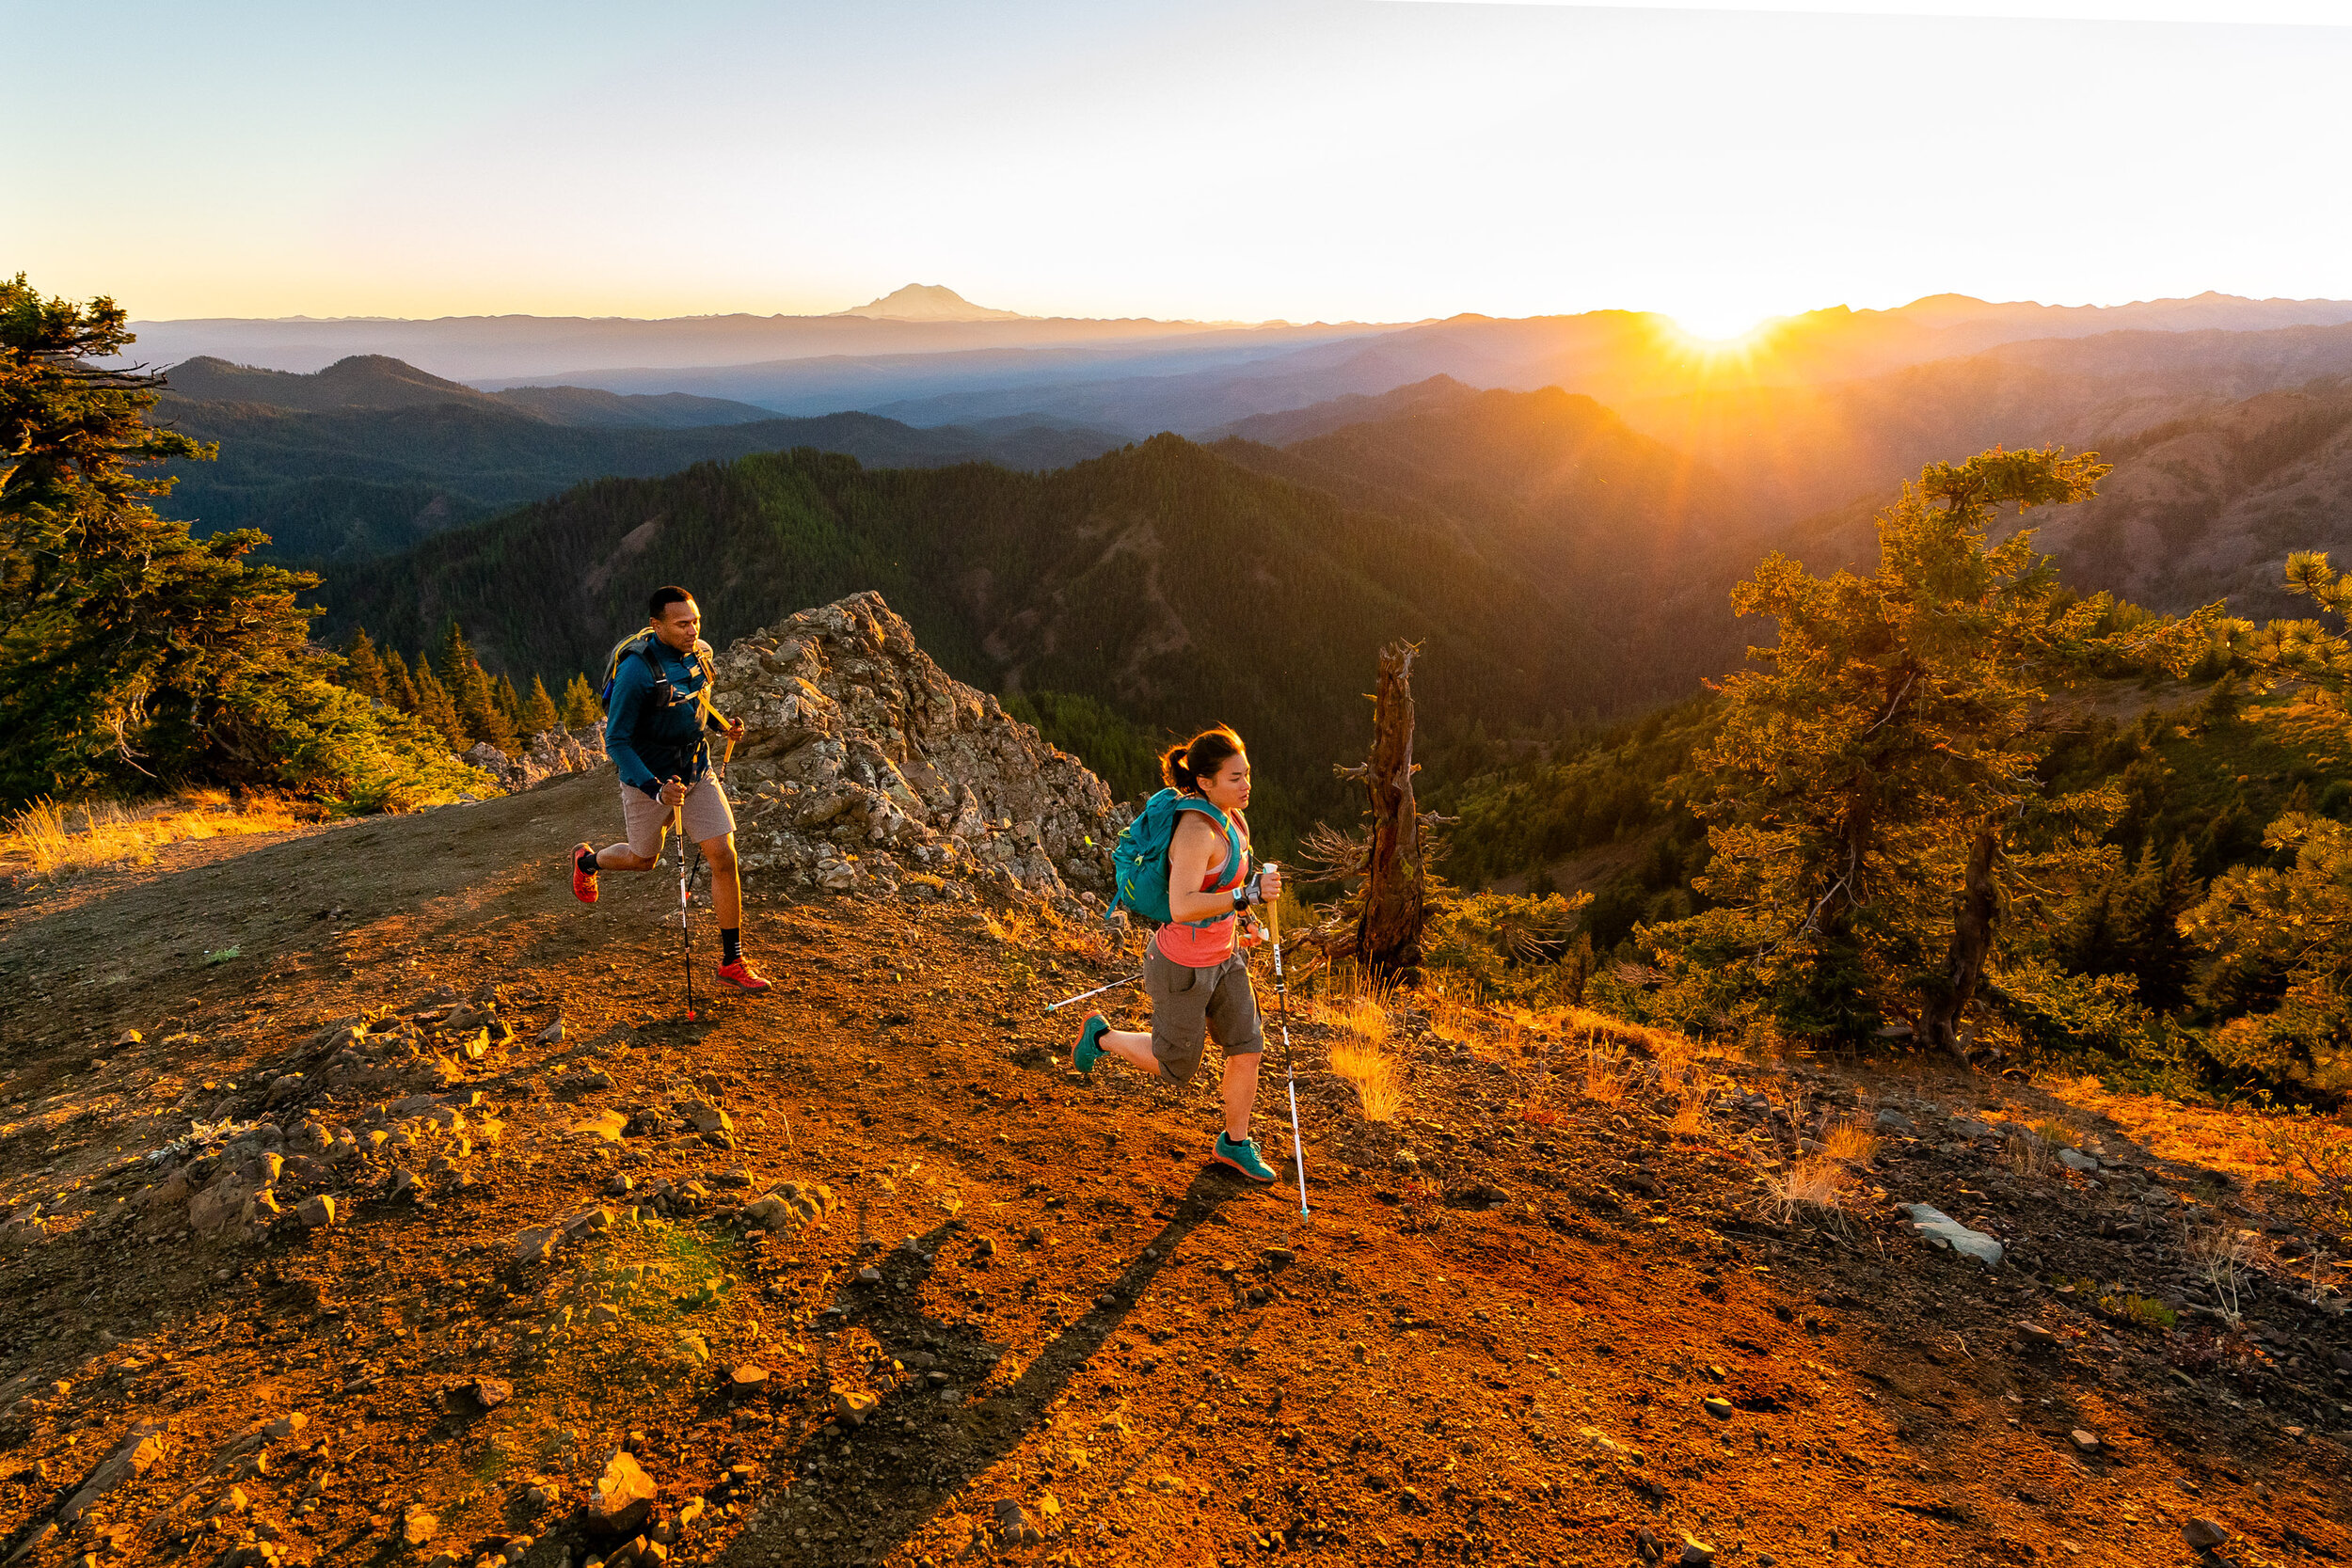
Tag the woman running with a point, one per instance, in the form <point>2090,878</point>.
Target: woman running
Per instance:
<point>1197,980</point>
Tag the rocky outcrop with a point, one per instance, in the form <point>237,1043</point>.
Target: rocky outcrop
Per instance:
<point>548,754</point>
<point>866,766</point>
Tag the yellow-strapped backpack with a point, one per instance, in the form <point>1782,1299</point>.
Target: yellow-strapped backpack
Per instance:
<point>645,645</point>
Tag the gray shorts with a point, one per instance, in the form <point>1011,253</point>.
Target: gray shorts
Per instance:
<point>646,819</point>
<point>1189,1003</point>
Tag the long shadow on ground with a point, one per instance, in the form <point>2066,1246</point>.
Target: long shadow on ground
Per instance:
<point>933,1468</point>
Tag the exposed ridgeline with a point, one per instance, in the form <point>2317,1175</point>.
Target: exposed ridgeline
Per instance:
<point>369,455</point>
<point>867,766</point>
<point>378,381</point>
<point>1176,587</point>
<point>2201,507</point>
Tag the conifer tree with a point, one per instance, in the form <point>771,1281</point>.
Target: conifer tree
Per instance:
<point>1873,805</point>
<point>510,704</point>
<point>131,654</point>
<point>362,671</point>
<point>471,692</point>
<point>399,690</point>
<point>538,715</point>
<point>581,707</point>
<point>436,709</point>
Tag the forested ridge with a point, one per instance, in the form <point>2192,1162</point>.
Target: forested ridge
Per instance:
<point>1171,587</point>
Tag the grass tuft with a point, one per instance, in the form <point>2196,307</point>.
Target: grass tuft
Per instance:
<point>1360,1056</point>
<point>1813,1184</point>
<point>1849,1140</point>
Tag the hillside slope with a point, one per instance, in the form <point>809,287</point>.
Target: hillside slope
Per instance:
<point>861,1272</point>
<point>2200,508</point>
<point>1178,588</point>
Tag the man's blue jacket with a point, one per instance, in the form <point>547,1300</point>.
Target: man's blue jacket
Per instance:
<point>653,731</point>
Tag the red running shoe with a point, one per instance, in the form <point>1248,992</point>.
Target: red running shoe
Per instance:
<point>743,978</point>
<point>584,882</point>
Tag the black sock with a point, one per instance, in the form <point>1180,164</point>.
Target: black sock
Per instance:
<point>731,943</point>
<point>588,862</point>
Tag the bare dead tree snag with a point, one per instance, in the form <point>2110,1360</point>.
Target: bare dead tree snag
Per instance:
<point>1395,898</point>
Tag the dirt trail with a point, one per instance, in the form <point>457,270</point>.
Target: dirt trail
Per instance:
<point>1493,1341</point>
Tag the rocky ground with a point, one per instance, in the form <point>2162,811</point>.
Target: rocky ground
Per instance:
<point>425,1230</point>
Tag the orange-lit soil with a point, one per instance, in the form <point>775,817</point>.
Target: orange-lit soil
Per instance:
<point>1492,1341</point>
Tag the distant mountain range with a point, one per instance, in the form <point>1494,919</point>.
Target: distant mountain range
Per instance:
<point>1138,377</point>
<point>371,455</point>
<point>606,351</point>
<point>374,381</point>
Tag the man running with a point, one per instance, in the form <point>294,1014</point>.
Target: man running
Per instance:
<point>658,731</point>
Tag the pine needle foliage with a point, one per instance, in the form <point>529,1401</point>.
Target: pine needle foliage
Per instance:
<point>132,656</point>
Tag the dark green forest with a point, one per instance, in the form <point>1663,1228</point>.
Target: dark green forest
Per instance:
<point>1172,588</point>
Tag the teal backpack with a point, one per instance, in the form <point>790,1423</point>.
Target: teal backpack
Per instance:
<point>1139,859</point>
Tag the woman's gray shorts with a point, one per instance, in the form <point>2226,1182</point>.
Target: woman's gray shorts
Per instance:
<point>1187,1003</point>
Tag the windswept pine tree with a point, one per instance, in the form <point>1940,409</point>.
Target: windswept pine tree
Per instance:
<point>1874,798</point>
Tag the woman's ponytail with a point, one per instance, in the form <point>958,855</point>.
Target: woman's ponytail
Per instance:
<point>1183,766</point>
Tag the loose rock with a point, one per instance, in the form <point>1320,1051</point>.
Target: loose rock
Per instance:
<point>623,1498</point>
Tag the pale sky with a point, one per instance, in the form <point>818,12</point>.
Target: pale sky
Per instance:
<point>1383,160</point>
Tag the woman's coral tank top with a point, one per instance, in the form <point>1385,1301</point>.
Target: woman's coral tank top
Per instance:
<point>1199,947</point>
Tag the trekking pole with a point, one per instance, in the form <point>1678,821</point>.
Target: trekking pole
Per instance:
<point>685,910</point>
<point>1290,1067</point>
<point>1096,992</point>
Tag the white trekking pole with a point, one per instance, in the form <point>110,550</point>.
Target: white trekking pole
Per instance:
<point>1282,1005</point>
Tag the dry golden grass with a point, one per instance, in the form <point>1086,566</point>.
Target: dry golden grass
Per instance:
<point>1847,1140</point>
<point>2029,1158</point>
<point>1605,1072</point>
<point>1809,1183</point>
<point>1363,1018</point>
<point>1690,1116</point>
<point>1454,1014</point>
<point>1591,1029</point>
<point>2053,1132</point>
<point>52,840</point>
<point>2228,1142</point>
<point>1379,1082</point>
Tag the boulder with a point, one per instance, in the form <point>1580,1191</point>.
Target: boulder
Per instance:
<point>623,1500</point>
<point>1938,1229</point>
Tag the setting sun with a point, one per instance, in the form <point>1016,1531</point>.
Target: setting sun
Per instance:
<point>1725,329</point>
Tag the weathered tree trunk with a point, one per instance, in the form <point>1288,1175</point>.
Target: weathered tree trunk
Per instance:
<point>1388,934</point>
<point>1972,943</point>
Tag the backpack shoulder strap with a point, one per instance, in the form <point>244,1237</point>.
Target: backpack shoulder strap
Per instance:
<point>1236,854</point>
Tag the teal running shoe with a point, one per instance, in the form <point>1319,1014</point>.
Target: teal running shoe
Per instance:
<point>1243,1157</point>
<point>1090,1049</point>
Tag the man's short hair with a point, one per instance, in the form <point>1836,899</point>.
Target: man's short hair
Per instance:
<point>663,597</point>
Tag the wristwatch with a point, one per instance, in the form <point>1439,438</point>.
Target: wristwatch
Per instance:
<point>1241,898</point>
